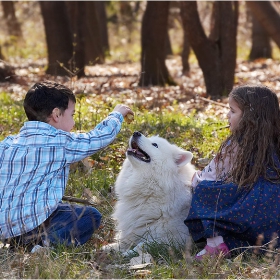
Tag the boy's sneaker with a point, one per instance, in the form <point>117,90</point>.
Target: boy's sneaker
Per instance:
<point>214,251</point>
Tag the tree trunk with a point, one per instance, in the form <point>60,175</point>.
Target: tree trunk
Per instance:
<point>13,25</point>
<point>92,33</point>
<point>78,24</point>
<point>261,47</point>
<point>168,47</point>
<point>185,55</point>
<point>186,48</point>
<point>216,55</point>
<point>126,17</point>
<point>86,35</point>
<point>268,17</point>
<point>153,39</point>
<point>102,19</point>
<point>58,36</point>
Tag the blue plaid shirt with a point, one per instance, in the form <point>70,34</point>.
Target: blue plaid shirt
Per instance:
<point>34,169</point>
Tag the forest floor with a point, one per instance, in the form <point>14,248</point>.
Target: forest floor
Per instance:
<point>119,81</point>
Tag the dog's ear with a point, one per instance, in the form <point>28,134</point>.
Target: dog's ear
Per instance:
<point>183,157</point>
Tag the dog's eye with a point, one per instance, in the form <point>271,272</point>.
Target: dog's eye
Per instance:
<point>155,144</point>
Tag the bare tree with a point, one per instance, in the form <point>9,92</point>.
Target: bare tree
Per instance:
<point>261,47</point>
<point>13,25</point>
<point>58,36</point>
<point>216,54</point>
<point>153,40</point>
<point>87,40</point>
<point>102,19</point>
<point>168,47</point>
<point>78,22</point>
<point>95,53</point>
<point>268,17</point>
<point>73,36</point>
<point>185,55</point>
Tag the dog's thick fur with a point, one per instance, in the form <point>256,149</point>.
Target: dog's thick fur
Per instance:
<point>153,193</point>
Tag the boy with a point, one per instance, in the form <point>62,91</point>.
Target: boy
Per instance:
<point>34,168</point>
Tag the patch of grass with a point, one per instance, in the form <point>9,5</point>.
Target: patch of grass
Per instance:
<point>12,115</point>
<point>201,136</point>
<point>185,131</point>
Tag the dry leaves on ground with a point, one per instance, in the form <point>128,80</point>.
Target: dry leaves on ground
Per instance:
<point>120,81</point>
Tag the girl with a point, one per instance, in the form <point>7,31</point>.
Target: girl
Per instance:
<point>237,196</point>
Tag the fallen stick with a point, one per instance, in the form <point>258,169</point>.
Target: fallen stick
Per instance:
<point>212,101</point>
<point>78,200</point>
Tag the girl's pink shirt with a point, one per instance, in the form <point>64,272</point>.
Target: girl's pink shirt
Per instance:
<point>209,173</point>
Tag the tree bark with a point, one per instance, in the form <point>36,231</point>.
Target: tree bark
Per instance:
<point>58,36</point>
<point>168,47</point>
<point>216,55</point>
<point>102,19</point>
<point>78,25</point>
<point>86,35</point>
<point>13,25</point>
<point>186,48</point>
<point>153,39</point>
<point>261,47</point>
<point>268,17</point>
<point>92,33</point>
<point>185,55</point>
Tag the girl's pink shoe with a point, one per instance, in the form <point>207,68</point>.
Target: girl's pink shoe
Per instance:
<point>214,251</point>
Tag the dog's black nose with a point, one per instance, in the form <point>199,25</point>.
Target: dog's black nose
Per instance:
<point>136,134</point>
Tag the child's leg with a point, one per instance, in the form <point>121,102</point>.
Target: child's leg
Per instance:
<point>72,224</point>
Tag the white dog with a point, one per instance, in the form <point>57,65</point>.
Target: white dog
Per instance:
<point>153,192</point>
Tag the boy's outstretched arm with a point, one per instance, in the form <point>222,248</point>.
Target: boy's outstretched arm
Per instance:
<point>81,145</point>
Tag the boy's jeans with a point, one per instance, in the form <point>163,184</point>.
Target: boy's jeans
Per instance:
<point>69,224</point>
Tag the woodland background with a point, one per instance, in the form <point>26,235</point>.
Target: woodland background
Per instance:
<point>174,63</point>
<point>152,43</point>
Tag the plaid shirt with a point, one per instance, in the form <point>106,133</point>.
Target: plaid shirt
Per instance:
<point>34,169</point>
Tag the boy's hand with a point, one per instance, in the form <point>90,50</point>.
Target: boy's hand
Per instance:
<point>126,112</point>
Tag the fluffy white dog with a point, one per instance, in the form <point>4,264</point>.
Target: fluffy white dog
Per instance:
<point>153,194</point>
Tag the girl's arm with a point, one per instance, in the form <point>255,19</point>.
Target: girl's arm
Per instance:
<point>208,173</point>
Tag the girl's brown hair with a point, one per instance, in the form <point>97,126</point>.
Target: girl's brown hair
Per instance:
<point>256,140</point>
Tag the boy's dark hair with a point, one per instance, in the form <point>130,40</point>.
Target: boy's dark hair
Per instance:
<point>43,97</point>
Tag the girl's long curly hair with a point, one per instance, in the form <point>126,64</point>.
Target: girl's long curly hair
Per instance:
<point>256,140</point>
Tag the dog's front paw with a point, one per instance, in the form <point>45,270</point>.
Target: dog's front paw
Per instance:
<point>111,247</point>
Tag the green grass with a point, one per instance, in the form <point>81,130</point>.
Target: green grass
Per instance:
<point>11,115</point>
<point>185,131</point>
<point>202,137</point>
